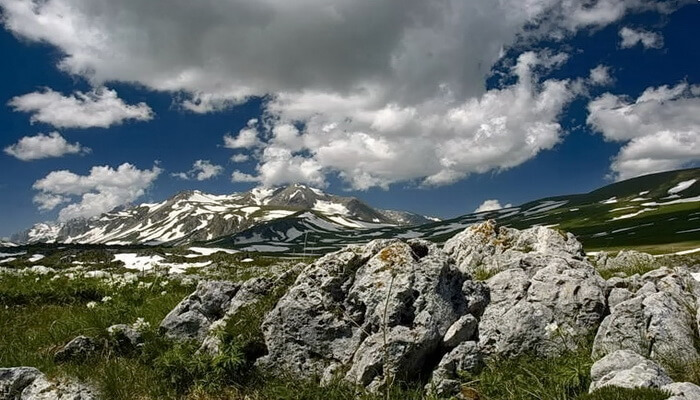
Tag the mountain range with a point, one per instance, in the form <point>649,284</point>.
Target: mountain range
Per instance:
<point>193,216</point>
<point>655,213</point>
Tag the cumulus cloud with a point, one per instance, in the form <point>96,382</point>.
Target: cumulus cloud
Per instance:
<point>600,76</point>
<point>401,83</point>
<point>491,205</point>
<point>649,40</point>
<point>238,176</point>
<point>41,146</point>
<point>103,189</point>
<point>239,158</point>
<point>247,137</point>
<point>660,129</point>
<point>201,171</point>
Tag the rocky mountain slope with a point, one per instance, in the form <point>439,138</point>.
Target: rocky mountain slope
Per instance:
<point>195,216</point>
<point>658,213</point>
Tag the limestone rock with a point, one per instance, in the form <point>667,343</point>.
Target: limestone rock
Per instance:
<point>627,369</point>
<point>494,249</point>
<point>545,305</point>
<point>124,338</point>
<point>465,357</point>
<point>683,391</point>
<point>78,349</point>
<point>26,383</point>
<point>194,315</point>
<point>462,330</point>
<point>368,313</point>
<point>657,322</point>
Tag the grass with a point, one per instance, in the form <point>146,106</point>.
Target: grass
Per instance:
<point>617,393</point>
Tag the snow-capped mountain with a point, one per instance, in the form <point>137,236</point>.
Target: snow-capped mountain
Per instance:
<point>192,216</point>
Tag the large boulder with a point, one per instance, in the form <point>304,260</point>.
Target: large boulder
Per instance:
<point>658,322</point>
<point>192,318</point>
<point>488,248</point>
<point>544,305</point>
<point>26,383</point>
<point>370,313</point>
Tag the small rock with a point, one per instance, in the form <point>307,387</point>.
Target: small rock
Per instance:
<point>463,329</point>
<point>78,349</point>
<point>683,391</point>
<point>627,369</point>
<point>125,338</point>
<point>618,295</point>
<point>26,383</point>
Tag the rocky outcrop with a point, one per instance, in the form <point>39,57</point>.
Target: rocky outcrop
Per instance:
<point>623,260</point>
<point>372,313</point>
<point>26,383</point>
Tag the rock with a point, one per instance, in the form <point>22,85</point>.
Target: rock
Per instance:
<point>627,369</point>
<point>124,338</point>
<point>618,295</point>
<point>545,305</point>
<point>78,349</point>
<point>683,391</point>
<point>41,270</point>
<point>14,380</point>
<point>624,260</point>
<point>26,383</point>
<point>462,330</point>
<point>445,381</point>
<point>191,319</point>
<point>657,322</point>
<point>368,313</point>
<point>250,293</point>
<point>43,389</point>
<point>494,249</point>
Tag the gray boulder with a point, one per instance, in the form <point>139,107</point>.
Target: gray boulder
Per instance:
<point>624,260</point>
<point>658,322</point>
<point>627,369</point>
<point>683,391</point>
<point>369,313</point>
<point>26,383</point>
<point>544,305</point>
<point>78,349</point>
<point>191,319</point>
<point>465,357</point>
<point>492,249</point>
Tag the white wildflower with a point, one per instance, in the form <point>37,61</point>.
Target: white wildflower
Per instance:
<point>551,328</point>
<point>164,292</point>
<point>106,299</point>
<point>91,304</point>
<point>141,324</point>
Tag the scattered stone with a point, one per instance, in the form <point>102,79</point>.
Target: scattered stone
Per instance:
<point>78,349</point>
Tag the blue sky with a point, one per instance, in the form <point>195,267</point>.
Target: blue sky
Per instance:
<point>435,116</point>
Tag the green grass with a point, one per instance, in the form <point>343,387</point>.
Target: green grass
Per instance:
<point>617,393</point>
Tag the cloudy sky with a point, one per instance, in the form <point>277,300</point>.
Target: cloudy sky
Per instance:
<point>439,107</point>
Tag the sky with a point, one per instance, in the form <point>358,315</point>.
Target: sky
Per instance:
<point>439,107</point>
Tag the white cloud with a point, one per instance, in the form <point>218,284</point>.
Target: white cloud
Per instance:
<point>238,176</point>
<point>41,146</point>
<point>103,189</point>
<point>491,205</point>
<point>600,76</point>
<point>201,171</point>
<point>247,137</point>
<point>101,107</point>
<point>239,158</point>
<point>398,83</point>
<point>649,40</point>
<point>660,129</point>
